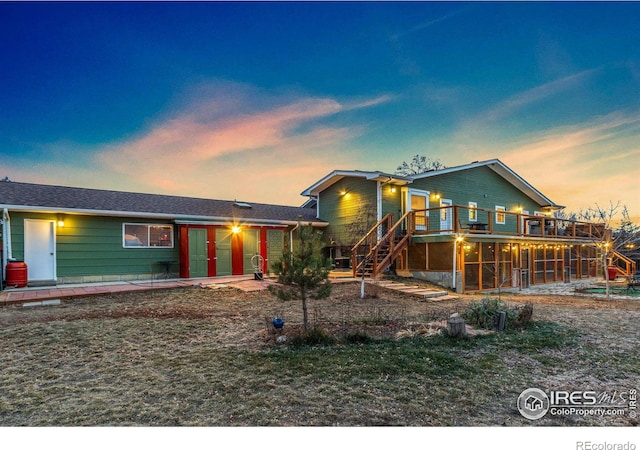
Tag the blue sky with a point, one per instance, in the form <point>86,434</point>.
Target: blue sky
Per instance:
<point>256,101</point>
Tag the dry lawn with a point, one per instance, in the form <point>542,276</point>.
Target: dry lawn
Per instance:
<point>208,357</point>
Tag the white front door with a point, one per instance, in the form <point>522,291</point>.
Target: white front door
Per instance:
<point>446,216</point>
<point>40,249</point>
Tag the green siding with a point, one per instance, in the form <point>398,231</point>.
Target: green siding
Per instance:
<point>392,201</point>
<point>92,246</point>
<point>342,211</point>
<point>480,185</point>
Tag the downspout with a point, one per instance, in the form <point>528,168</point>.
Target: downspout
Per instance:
<point>7,253</point>
<point>379,207</point>
<point>291,237</point>
<point>455,268</point>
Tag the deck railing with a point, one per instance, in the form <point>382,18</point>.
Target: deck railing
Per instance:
<point>466,220</point>
<point>385,240</point>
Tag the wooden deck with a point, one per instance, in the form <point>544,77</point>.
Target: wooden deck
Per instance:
<point>457,220</point>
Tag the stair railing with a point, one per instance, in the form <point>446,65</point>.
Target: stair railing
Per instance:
<point>394,247</point>
<point>369,242</point>
<point>624,265</point>
<point>386,242</point>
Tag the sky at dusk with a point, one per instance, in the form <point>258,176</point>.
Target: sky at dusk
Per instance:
<point>257,101</point>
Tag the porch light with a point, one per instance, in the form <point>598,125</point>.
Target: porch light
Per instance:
<point>343,192</point>
<point>393,189</point>
<point>235,229</point>
<point>60,221</point>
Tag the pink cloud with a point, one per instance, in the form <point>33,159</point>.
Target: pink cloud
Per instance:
<point>204,152</point>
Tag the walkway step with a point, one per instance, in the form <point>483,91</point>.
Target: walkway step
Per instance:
<point>416,291</point>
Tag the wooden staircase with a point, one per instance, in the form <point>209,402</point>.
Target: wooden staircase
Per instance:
<point>625,266</point>
<point>379,248</point>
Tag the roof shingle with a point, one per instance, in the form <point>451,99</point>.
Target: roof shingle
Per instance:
<point>63,198</point>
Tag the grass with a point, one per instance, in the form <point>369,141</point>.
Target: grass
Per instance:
<point>204,358</point>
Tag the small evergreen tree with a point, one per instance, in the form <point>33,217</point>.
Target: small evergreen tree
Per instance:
<point>304,272</point>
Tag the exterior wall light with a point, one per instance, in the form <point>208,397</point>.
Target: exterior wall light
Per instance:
<point>235,229</point>
<point>60,221</point>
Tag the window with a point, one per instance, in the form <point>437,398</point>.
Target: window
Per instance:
<point>141,235</point>
<point>473,212</point>
<point>500,215</point>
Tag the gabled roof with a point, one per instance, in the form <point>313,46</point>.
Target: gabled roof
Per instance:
<point>337,175</point>
<point>505,172</point>
<point>494,164</point>
<point>59,199</point>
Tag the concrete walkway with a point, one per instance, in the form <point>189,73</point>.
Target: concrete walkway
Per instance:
<point>247,283</point>
<point>33,295</point>
<point>576,288</point>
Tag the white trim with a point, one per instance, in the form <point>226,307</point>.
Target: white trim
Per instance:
<point>6,241</point>
<point>446,216</point>
<point>148,225</point>
<point>473,208</point>
<point>52,250</point>
<point>378,200</point>
<point>501,169</point>
<point>379,207</point>
<point>174,217</point>
<point>337,175</point>
<point>410,192</point>
<point>524,228</point>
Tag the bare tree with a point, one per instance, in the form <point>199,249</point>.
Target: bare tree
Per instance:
<point>365,218</point>
<point>615,235</point>
<point>419,164</point>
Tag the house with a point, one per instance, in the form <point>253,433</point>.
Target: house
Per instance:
<point>533,403</point>
<point>474,227</point>
<point>77,235</point>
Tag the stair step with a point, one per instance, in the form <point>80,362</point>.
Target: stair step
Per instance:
<point>417,291</point>
<point>444,298</point>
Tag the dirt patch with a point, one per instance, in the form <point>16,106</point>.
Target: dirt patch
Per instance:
<point>383,313</point>
<point>197,356</point>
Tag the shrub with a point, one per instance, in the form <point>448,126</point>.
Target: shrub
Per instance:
<point>359,337</point>
<point>524,314</point>
<point>482,314</point>
<point>315,336</point>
